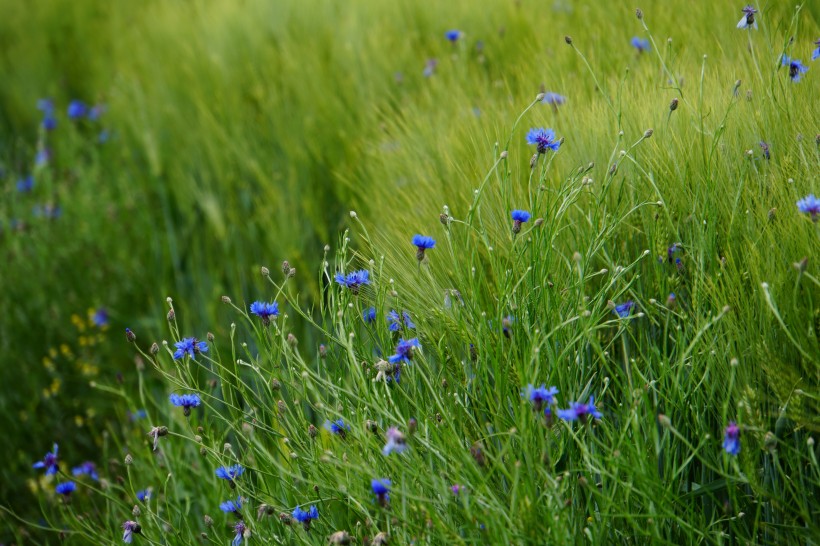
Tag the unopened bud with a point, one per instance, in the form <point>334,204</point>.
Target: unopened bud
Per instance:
<point>226,299</point>
<point>568,39</point>
<point>154,348</point>
<point>129,460</point>
<point>503,154</point>
<point>208,521</point>
<point>285,267</point>
<point>673,105</point>
<point>130,336</point>
<point>171,315</point>
<point>648,133</point>
<point>664,421</point>
<point>265,271</point>
<point>292,341</point>
<point>312,431</point>
<point>539,221</point>
<point>444,219</point>
<point>639,13</point>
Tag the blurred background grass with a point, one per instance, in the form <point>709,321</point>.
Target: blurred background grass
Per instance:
<point>241,133</point>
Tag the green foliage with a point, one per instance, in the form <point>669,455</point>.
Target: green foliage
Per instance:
<point>242,133</point>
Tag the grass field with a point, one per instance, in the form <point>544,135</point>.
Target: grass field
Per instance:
<point>666,269</point>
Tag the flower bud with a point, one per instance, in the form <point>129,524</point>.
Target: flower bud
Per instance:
<point>154,348</point>
<point>265,271</point>
<point>639,13</point>
<point>130,336</point>
<point>568,40</point>
<point>648,133</point>
<point>226,299</point>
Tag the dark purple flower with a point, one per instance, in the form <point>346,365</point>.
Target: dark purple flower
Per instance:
<point>748,19</point>
<point>49,462</point>
<point>579,411</point>
<point>731,439</point>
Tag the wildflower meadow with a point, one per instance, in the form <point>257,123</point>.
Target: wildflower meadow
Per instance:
<point>410,272</point>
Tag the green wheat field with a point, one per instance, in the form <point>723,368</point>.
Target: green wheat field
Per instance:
<point>409,272</point>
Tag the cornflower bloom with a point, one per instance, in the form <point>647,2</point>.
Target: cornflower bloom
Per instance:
<point>796,68</point>
<point>396,442</point>
<point>354,281</point>
<point>66,488</point>
<point>240,530</point>
<point>186,401</point>
<point>579,411</point>
<point>381,488</point>
<point>670,252</point>
<point>748,19</point>
<point>457,489</point>
<point>540,396</point>
<point>731,438</point>
<point>49,462</point>
<point>230,473</point>
<point>265,310</point>
<point>190,346</point>
<point>453,35</point>
<point>396,321</point>
<point>25,184</point>
<point>543,140</point>
<point>76,109</point>
<point>506,325</point>
<point>623,309</point>
<point>100,317</point>
<point>519,217</point>
<point>144,495</point>
<point>639,44</point>
<point>305,516</point>
<point>764,147</point>
<point>231,506</point>
<point>337,427</point>
<point>810,205</point>
<point>369,315</point>
<point>554,99</point>
<point>422,243</point>
<point>404,351</point>
<point>128,530</point>
<point>88,468</point>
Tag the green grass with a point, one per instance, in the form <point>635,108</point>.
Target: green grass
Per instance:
<point>243,133</point>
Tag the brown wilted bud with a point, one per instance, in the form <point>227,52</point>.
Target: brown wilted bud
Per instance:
<point>664,421</point>
<point>285,518</point>
<point>639,13</point>
<point>171,315</point>
<point>265,271</point>
<point>136,511</point>
<point>340,537</point>
<point>444,219</point>
<point>582,481</point>
<point>210,337</point>
<point>438,418</point>
<point>673,105</point>
<point>568,40</point>
<point>226,299</point>
<point>613,169</point>
<point>313,431</point>
<point>130,336</point>
<point>478,454</point>
<point>539,221</point>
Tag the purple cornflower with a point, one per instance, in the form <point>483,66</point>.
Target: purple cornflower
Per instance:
<point>639,44</point>
<point>540,396</point>
<point>457,489</point>
<point>519,217</point>
<point>66,488</point>
<point>381,488</point>
<point>49,462</point>
<point>369,315</point>
<point>731,439</point>
<point>554,99</point>
<point>76,109</point>
<point>230,473</point>
<point>144,495</point>
<point>543,140</point>
<point>189,346</point>
<point>186,401</point>
<point>810,205</point>
<point>49,122</point>
<point>396,442</point>
<point>764,147</point>
<point>25,184</point>
<point>623,309</point>
<point>816,53</point>
<point>430,67</point>
<point>580,411</point>
<point>748,19</point>
<point>232,506</point>
<point>422,243</point>
<point>305,517</point>
<point>100,317</point>
<point>337,427</point>
<point>128,530</point>
<point>88,468</point>
<point>796,68</point>
<point>453,35</point>
<point>670,252</point>
<point>396,321</point>
<point>353,281</point>
<point>404,351</point>
<point>265,310</point>
<point>506,325</point>
<point>239,529</point>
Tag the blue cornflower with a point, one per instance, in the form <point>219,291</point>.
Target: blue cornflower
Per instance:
<point>816,53</point>
<point>46,106</point>
<point>337,427</point>
<point>764,147</point>
<point>239,529</point>
<point>519,217</point>
<point>453,35</point>
<point>381,488</point>
<point>186,401</point>
<point>623,309</point>
<point>540,396</point>
<point>76,109</point>
<point>230,473</point>
<point>396,442</point>
<point>810,205</point>
<point>100,317</point>
<point>580,411</point>
<point>49,122</point>
<point>404,351</point>
<point>554,99</point>
<point>543,139</point>
<point>88,468</point>
<point>189,346</point>
<point>66,488</point>
<point>353,281</point>
<point>144,495</point>
<point>25,185</point>
<point>796,68</point>
<point>670,252</point>
<point>128,529</point>
<point>49,462</point>
<point>137,415</point>
<point>265,310</point>
<point>422,243</point>
<point>506,325</point>
<point>305,516</point>
<point>369,314</point>
<point>748,19</point>
<point>231,506</point>
<point>639,44</point>
<point>396,321</point>
<point>731,439</point>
